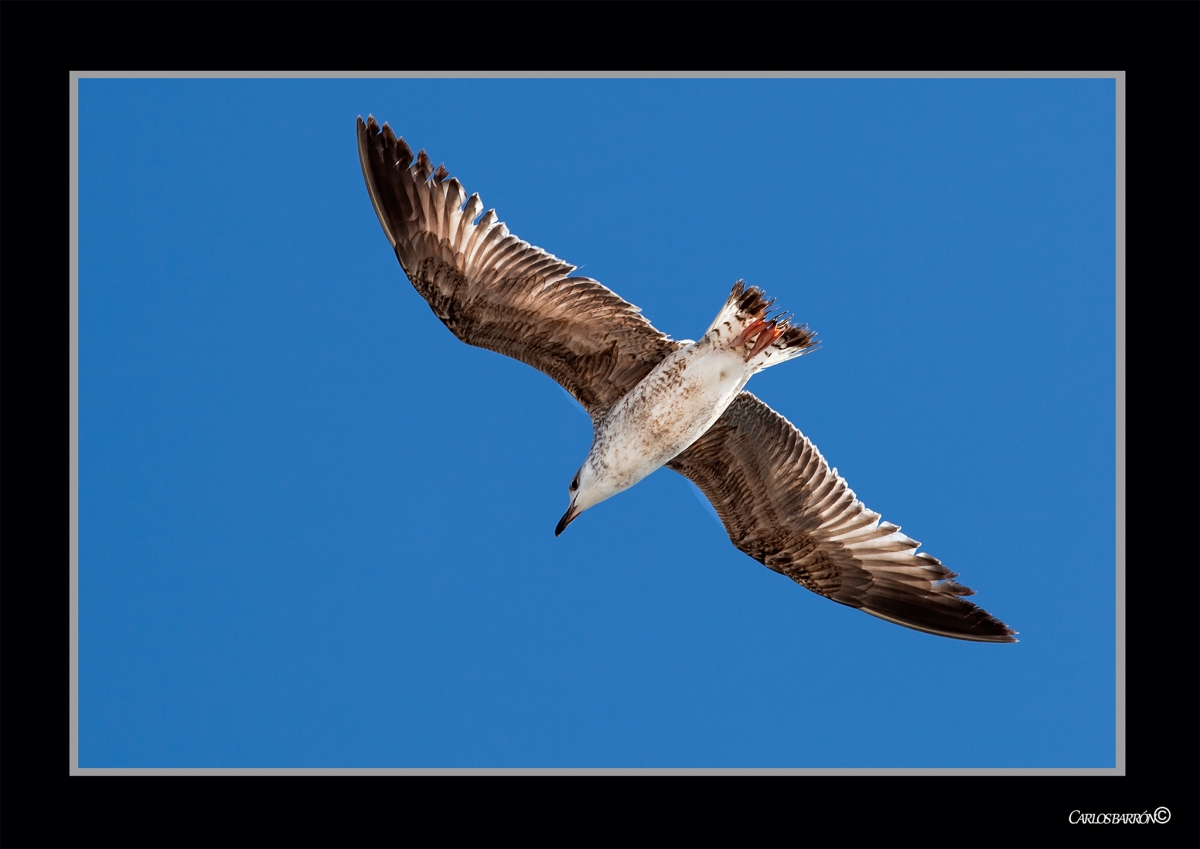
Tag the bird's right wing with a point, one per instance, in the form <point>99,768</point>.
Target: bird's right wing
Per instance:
<point>784,506</point>
<point>497,292</point>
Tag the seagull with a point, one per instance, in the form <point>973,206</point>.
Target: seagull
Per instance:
<point>656,401</point>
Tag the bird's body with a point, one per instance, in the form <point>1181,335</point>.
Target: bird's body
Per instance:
<point>655,401</point>
<point>670,409</point>
<point>681,398</point>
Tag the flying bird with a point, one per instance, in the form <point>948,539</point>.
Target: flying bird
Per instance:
<point>657,401</point>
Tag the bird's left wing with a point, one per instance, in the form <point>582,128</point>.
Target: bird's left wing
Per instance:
<point>497,292</point>
<point>784,506</point>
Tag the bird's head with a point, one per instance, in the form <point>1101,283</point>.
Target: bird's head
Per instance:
<point>588,488</point>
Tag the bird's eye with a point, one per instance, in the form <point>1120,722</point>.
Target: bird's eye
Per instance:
<point>575,484</point>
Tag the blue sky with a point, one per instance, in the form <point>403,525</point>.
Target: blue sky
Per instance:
<point>317,531</point>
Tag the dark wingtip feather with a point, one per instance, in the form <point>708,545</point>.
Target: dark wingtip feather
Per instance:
<point>953,588</point>
<point>390,148</point>
<point>944,615</point>
<point>402,153</point>
<point>424,166</point>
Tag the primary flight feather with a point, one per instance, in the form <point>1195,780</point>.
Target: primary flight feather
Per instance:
<point>656,401</point>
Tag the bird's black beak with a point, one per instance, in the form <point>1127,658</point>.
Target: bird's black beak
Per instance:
<point>567,518</point>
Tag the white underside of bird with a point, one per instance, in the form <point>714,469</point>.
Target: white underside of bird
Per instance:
<point>682,397</point>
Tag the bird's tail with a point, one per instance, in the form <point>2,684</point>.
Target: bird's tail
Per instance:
<point>765,341</point>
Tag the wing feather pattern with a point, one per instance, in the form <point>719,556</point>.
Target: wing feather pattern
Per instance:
<point>784,506</point>
<point>497,292</point>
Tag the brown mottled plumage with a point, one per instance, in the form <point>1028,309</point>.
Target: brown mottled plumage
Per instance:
<point>497,292</point>
<point>773,491</point>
